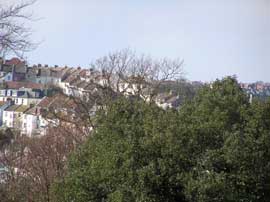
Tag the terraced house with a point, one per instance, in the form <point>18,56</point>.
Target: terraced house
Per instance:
<point>26,92</point>
<point>13,116</point>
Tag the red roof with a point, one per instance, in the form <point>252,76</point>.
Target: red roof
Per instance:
<point>17,85</point>
<point>57,101</point>
<point>45,102</point>
<point>14,61</point>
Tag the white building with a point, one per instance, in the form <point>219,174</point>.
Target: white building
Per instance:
<point>13,116</point>
<point>30,122</point>
<point>20,94</point>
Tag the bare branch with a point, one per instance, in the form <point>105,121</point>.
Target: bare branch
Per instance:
<point>14,33</point>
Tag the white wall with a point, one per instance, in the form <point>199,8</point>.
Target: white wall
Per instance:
<point>29,124</point>
<point>8,118</point>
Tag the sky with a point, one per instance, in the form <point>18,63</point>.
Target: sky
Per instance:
<point>215,38</point>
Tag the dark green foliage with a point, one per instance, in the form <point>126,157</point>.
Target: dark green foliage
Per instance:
<point>215,148</point>
<point>129,158</point>
<point>229,152</point>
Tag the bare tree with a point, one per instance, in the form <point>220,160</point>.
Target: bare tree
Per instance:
<point>14,33</point>
<point>121,73</point>
<point>129,74</point>
<point>33,164</point>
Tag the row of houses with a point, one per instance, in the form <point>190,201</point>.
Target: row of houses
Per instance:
<point>25,103</point>
<point>24,92</point>
<point>62,77</point>
<point>34,118</point>
<point>72,81</point>
<point>258,89</point>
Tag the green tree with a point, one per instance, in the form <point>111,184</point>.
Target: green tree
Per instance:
<point>215,148</point>
<point>228,148</point>
<point>128,158</point>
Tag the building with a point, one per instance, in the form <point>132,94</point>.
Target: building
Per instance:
<point>31,122</point>
<point>22,93</point>
<point>13,116</point>
<point>12,70</point>
<point>167,100</point>
<point>3,106</point>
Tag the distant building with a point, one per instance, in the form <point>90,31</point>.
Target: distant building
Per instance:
<point>12,70</point>
<point>3,106</point>
<point>168,100</point>
<point>31,122</point>
<point>13,115</point>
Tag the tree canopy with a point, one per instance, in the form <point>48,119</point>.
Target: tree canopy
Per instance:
<point>215,148</point>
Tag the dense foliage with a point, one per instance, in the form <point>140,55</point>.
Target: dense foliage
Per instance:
<point>215,148</point>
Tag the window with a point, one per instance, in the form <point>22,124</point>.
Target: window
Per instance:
<point>16,101</point>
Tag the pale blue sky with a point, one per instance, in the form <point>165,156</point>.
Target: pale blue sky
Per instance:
<point>215,37</point>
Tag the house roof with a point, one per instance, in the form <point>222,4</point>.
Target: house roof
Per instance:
<point>17,85</point>
<point>70,78</point>
<point>17,108</point>
<point>58,101</point>
<point>2,103</point>
<point>12,108</point>
<point>45,102</point>
<point>31,110</point>
<point>14,61</point>
<point>84,72</point>
<point>22,108</point>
